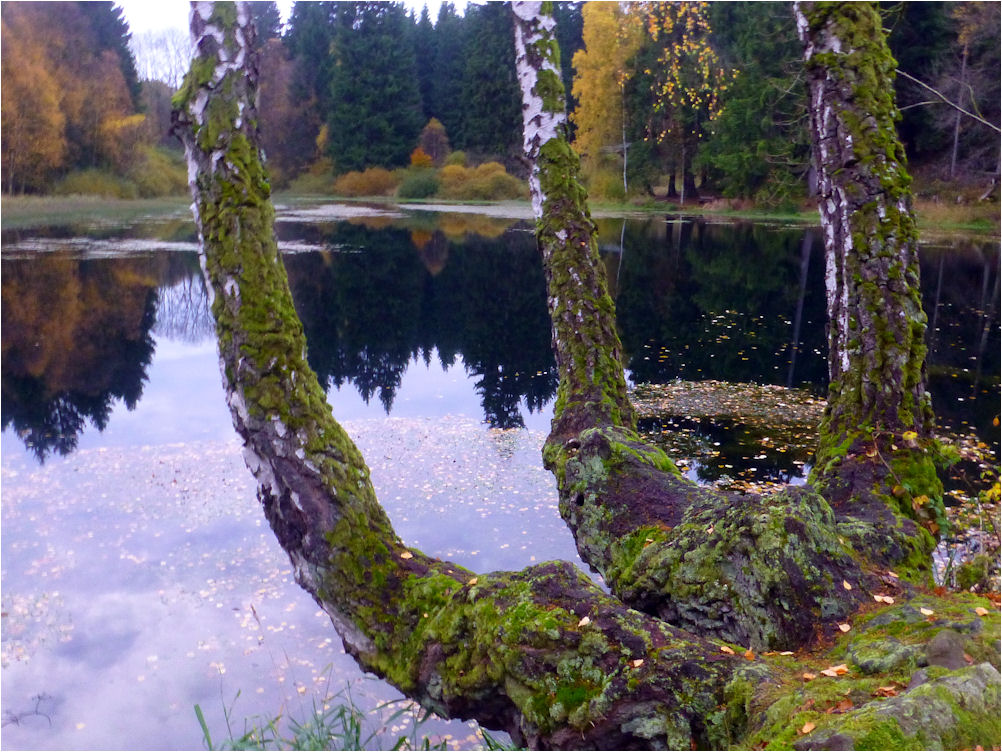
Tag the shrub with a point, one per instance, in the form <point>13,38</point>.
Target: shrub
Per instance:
<point>487,182</point>
<point>375,181</point>
<point>456,158</point>
<point>159,172</point>
<point>95,182</point>
<point>419,184</point>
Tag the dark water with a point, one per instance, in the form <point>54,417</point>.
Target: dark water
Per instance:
<point>736,302</point>
<point>139,577</point>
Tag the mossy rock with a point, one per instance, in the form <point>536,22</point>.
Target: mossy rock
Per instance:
<point>882,656</point>
<point>957,711</point>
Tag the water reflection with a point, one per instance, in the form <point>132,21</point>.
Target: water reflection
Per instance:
<point>696,300</point>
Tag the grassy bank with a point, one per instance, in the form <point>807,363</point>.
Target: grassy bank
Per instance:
<point>19,212</point>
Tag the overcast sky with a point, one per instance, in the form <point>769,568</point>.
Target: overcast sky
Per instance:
<point>144,15</point>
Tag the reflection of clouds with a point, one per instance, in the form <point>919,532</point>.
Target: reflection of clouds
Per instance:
<point>177,592</point>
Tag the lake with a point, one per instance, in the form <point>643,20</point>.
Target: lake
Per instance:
<point>139,576</point>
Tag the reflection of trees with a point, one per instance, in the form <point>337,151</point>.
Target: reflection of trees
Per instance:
<point>76,337</point>
<point>369,313</point>
<point>719,301</point>
<point>183,311</point>
<point>960,292</point>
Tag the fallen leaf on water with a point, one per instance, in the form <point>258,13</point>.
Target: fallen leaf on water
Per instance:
<point>846,585</point>
<point>809,676</point>
<point>807,728</point>
<point>406,555</point>
<point>845,627</point>
<point>585,621</point>
<point>926,611</point>
<point>749,654</point>
<point>836,670</point>
<point>891,691</point>
<point>981,611</point>
<point>725,649</point>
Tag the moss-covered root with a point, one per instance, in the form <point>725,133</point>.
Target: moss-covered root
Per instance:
<point>768,572</point>
<point>877,402</point>
<point>592,387</point>
<point>547,656</point>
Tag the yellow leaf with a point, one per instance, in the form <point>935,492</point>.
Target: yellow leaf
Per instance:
<point>807,728</point>
<point>585,621</point>
<point>892,574</point>
<point>725,649</point>
<point>836,670</point>
<point>909,436</point>
<point>638,663</point>
<point>926,611</point>
<point>749,654</point>
<point>981,611</point>
<point>406,555</point>
<point>809,676</point>
<point>845,627</point>
<point>846,585</point>
<point>473,581</point>
<point>883,599</point>
<point>786,652</point>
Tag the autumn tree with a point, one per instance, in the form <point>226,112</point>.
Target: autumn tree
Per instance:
<point>544,652</point>
<point>684,80</point>
<point>612,36</point>
<point>34,127</point>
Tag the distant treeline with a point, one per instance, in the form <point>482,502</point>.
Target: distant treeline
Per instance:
<point>665,98</point>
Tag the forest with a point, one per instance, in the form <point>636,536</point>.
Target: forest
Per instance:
<point>681,102</point>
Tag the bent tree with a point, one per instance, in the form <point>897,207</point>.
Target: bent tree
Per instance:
<point>544,653</point>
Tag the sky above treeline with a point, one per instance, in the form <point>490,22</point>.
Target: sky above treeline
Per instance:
<point>143,16</point>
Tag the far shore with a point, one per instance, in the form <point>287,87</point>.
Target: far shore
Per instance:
<point>25,212</point>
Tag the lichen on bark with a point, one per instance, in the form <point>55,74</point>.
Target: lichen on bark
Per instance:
<point>879,414</point>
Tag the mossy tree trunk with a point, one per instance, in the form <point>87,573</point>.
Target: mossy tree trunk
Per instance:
<point>878,424</point>
<point>542,653</point>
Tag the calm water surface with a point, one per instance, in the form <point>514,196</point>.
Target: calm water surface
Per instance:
<point>139,577</point>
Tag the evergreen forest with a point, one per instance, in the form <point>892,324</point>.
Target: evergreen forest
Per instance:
<point>672,101</point>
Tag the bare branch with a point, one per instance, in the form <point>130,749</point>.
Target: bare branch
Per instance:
<point>944,98</point>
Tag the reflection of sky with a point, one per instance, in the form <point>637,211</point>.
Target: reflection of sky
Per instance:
<point>140,578</point>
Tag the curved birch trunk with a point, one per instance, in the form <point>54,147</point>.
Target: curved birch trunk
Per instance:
<point>542,653</point>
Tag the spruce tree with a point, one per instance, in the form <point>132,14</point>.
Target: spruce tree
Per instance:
<point>377,114</point>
